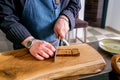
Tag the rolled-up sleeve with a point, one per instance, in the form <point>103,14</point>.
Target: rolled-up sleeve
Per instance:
<point>10,23</point>
<point>70,9</point>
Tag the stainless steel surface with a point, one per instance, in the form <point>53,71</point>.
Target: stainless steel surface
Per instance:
<point>66,43</point>
<point>57,43</point>
<point>55,54</point>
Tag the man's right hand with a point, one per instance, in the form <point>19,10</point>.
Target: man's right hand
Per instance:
<point>40,49</point>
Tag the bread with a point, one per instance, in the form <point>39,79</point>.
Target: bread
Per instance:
<point>115,62</point>
<point>68,52</point>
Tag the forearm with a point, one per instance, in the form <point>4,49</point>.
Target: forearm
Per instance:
<point>10,23</point>
<point>70,10</point>
<point>15,32</point>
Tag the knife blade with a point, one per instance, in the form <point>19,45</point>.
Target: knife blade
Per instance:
<point>57,42</point>
<point>55,54</point>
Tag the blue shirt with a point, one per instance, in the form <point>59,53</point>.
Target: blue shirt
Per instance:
<point>11,22</point>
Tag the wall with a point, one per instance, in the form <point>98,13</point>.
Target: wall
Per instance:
<point>113,14</point>
<point>81,13</point>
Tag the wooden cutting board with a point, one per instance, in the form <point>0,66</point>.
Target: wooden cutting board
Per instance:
<point>20,65</point>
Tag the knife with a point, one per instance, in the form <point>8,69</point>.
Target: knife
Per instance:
<point>56,43</point>
<point>60,43</point>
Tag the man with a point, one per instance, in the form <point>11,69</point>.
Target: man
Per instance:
<point>34,23</point>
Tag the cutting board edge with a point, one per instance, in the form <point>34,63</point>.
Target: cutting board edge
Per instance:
<point>52,75</point>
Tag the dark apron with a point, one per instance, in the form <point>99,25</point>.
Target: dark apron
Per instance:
<point>39,17</point>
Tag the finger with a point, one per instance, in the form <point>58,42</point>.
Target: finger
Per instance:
<point>57,34</point>
<point>51,47</point>
<point>48,45</point>
<point>62,35</point>
<point>43,54</point>
<point>37,56</point>
<point>48,51</point>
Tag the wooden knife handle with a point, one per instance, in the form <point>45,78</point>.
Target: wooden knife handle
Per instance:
<point>115,62</point>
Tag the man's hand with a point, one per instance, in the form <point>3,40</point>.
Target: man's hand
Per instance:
<point>40,49</point>
<point>61,27</point>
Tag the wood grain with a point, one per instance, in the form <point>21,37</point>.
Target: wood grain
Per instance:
<point>20,65</point>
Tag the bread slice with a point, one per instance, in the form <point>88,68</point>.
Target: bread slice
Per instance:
<point>68,52</point>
